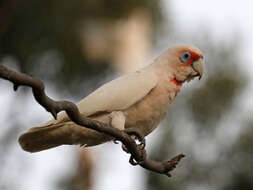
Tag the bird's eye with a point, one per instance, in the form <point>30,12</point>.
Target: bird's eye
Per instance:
<point>184,57</point>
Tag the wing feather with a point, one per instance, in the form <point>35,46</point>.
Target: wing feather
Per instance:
<point>119,94</point>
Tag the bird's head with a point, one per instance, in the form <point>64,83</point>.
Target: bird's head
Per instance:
<point>185,62</point>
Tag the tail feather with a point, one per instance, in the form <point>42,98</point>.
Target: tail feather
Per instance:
<point>44,137</point>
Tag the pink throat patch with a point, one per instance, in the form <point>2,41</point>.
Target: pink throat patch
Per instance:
<point>178,83</point>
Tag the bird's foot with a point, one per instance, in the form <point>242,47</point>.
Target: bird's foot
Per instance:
<point>137,136</point>
<point>140,143</point>
<point>135,162</point>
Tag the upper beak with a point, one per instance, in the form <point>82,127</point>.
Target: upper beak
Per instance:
<point>198,67</point>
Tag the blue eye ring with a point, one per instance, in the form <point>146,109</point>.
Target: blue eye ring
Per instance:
<point>185,57</point>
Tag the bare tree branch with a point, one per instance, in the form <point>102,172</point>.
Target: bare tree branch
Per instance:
<point>138,153</point>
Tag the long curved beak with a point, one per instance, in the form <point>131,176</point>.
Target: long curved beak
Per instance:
<point>198,67</point>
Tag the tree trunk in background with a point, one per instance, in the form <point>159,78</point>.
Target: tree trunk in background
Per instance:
<point>133,42</point>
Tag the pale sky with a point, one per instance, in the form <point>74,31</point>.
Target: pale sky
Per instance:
<point>223,17</point>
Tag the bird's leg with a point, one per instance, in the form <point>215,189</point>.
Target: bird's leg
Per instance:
<point>118,121</point>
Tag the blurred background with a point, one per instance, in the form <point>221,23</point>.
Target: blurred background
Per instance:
<point>75,46</point>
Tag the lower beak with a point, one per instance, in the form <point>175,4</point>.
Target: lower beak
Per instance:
<point>198,67</point>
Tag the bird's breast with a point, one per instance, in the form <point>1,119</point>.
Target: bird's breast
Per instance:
<point>148,112</point>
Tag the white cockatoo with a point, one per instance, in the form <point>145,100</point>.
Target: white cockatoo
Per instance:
<point>137,100</point>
